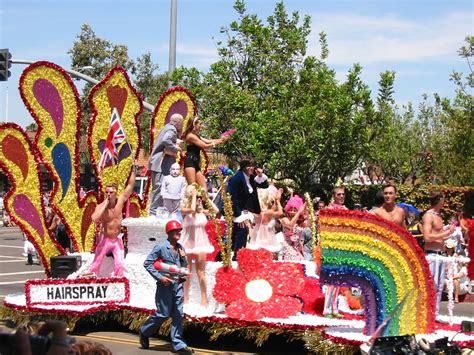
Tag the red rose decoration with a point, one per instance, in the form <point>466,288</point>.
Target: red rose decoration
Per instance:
<point>262,287</point>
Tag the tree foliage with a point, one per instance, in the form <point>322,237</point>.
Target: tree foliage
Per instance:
<point>103,55</point>
<point>292,113</point>
<point>294,117</point>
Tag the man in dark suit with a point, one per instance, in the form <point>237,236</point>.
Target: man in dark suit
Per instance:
<point>243,191</point>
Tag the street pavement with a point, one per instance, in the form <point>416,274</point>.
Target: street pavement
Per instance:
<point>14,271</point>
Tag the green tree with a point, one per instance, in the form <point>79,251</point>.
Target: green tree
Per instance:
<point>103,55</point>
<point>288,107</point>
<point>457,162</point>
<point>32,127</point>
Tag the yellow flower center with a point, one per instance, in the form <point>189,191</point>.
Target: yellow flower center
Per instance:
<point>258,290</point>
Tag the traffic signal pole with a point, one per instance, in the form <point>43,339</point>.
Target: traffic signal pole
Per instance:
<point>5,64</point>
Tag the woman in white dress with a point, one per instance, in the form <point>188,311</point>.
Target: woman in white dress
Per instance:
<point>263,234</point>
<point>194,238</point>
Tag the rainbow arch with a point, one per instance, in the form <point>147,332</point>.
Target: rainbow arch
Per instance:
<point>385,261</point>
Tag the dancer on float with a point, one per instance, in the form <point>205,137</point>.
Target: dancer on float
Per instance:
<point>169,291</point>
<point>109,214</point>
<point>243,193</point>
<point>195,239</point>
<point>293,225</point>
<point>194,145</point>
<point>263,234</point>
<point>332,292</point>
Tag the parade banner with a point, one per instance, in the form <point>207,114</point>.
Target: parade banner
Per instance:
<point>77,291</point>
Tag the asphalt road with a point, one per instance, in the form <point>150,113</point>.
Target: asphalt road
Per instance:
<point>14,271</point>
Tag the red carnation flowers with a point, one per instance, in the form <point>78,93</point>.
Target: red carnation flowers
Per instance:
<point>262,287</point>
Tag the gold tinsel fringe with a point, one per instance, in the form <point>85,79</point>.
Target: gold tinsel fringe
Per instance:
<point>22,317</point>
<point>313,339</point>
<point>165,327</point>
<point>317,344</point>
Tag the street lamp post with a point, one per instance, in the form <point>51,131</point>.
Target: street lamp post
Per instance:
<point>172,53</point>
<point>76,73</point>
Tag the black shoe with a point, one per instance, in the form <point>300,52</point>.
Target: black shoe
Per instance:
<point>144,340</point>
<point>183,351</point>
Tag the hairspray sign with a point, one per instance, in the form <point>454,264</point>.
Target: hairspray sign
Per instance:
<point>77,291</point>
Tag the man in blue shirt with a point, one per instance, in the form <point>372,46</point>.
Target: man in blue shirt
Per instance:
<point>169,295</point>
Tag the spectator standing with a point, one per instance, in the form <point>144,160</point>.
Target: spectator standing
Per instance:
<point>434,234</point>
<point>389,210</point>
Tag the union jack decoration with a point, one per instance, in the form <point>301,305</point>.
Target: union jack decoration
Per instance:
<point>115,138</point>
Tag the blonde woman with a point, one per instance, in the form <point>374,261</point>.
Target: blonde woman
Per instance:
<point>194,238</point>
<point>263,234</point>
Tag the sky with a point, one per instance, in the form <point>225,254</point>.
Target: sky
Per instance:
<point>418,39</point>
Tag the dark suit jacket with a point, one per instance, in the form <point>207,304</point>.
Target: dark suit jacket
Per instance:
<point>241,198</point>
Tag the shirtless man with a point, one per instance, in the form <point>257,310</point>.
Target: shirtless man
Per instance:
<point>435,234</point>
<point>388,210</point>
<point>109,213</point>
<point>434,231</point>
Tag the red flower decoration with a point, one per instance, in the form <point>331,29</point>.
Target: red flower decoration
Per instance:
<point>312,297</point>
<point>212,235</point>
<point>263,288</point>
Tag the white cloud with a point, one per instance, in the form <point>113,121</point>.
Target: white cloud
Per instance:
<point>365,39</point>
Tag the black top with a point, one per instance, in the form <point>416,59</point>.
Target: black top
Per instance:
<point>194,150</point>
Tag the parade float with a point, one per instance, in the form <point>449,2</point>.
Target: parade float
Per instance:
<point>256,296</point>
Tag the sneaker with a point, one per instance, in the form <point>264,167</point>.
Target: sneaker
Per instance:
<point>144,340</point>
<point>185,350</point>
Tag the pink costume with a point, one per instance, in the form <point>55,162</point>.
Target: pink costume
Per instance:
<point>293,245</point>
<point>194,238</point>
<point>106,245</point>
<point>263,236</point>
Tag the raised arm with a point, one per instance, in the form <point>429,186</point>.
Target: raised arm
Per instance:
<point>213,205</point>
<point>130,184</point>
<point>277,211</point>
<point>291,223</point>
<point>99,210</point>
<point>204,143</point>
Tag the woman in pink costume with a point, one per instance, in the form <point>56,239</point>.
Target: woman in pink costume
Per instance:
<point>195,239</point>
<point>293,224</point>
<point>263,234</point>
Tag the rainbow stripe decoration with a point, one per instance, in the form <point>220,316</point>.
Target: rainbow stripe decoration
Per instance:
<point>385,261</point>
